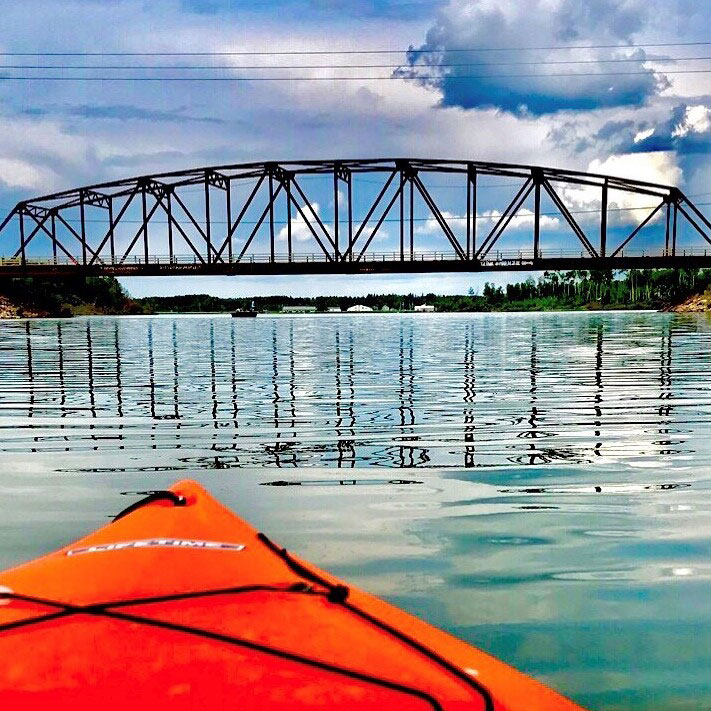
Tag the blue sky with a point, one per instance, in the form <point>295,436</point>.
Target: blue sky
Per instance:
<point>650,122</point>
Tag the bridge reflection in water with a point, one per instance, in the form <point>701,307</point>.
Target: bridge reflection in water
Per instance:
<point>431,391</point>
<point>355,216</point>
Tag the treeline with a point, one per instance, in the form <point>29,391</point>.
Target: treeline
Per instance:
<point>66,297</point>
<point>637,288</point>
<point>649,288</point>
<point>204,303</point>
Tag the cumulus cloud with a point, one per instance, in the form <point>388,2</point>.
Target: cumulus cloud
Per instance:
<point>523,219</point>
<point>696,119</point>
<point>300,231</point>
<point>625,208</point>
<point>22,174</point>
<point>488,218</point>
<point>512,81</point>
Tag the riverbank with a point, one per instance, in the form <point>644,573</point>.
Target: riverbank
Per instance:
<point>683,291</point>
<point>42,298</point>
<point>699,303</point>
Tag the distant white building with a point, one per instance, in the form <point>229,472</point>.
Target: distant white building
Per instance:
<point>425,309</point>
<point>298,309</point>
<point>333,310</point>
<point>359,309</point>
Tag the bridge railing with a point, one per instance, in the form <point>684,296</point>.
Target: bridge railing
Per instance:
<point>514,257</point>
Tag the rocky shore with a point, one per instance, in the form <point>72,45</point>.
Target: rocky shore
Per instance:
<point>8,309</point>
<point>699,303</point>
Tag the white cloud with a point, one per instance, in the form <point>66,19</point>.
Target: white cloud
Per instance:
<point>458,223</point>
<point>431,227</point>
<point>642,135</point>
<point>300,231</point>
<point>696,119</point>
<point>625,208</point>
<point>22,174</point>
<point>524,218</point>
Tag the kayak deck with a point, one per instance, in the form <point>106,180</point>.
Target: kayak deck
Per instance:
<point>180,601</point>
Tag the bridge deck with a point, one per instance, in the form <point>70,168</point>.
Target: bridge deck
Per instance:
<point>372,263</point>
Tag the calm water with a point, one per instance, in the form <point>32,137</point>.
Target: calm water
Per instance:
<point>538,484</point>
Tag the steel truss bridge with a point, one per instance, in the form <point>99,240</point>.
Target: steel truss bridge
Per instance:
<point>256,218</point>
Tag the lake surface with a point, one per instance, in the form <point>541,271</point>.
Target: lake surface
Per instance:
<point>538,484</point>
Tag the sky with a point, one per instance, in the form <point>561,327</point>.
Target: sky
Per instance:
<point>631,108</point>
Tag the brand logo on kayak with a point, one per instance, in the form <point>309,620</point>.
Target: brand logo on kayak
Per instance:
<point>158,543</point>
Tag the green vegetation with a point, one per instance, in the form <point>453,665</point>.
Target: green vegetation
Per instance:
<point>649,288</point>
<point>66,297</point>
<point>634,289</point>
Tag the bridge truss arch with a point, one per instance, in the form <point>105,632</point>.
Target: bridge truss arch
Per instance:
<point>355,216</point>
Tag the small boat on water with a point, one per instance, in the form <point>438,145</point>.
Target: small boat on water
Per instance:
<point>180,604</point>
<point>245,313</point>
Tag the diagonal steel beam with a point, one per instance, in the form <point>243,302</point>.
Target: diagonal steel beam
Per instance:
<point>635,231</point>
<point>381,220</point>
<point>438,216</point>
<point>372,209</point>
<point>24,242</point>
<point>233,227</point>
<point>506,216</point>
<point>140,231</point>
<point>55,240</point>
<point>307,222</point>
<point>195,223</point>
<point>313,212</point>
<point>259,222</point>
<point>173,222</point>
<point>74,233</point>
<point>682,198</point>
<point>570,219</point>
<point>112,224</point>
<point>693,222</point>
<point>8,217</point>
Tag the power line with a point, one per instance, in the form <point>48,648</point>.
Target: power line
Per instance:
<point>353,51</point>
<point>391,219</point>
<point>395,77</point>
<point>353,66</point>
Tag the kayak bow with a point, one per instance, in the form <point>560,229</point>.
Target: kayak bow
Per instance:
<point>180,602</point>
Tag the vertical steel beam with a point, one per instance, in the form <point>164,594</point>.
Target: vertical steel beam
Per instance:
<point>603,221</point>
<point>145,224</point>
<point>350,216</point>
<point>112,245</point>
<point>83,228</point>
<point>271,215</point>
<point>402,216</point>
<point>474,208</point>
<point>169,196</point>
<point>288,219</point>
<point>674,223</point>
<point>207,219</point>
<point>228,209</point>
<point>469,210</point>
<point>536,216</point>
<point>54,238</point>
<point>666,230</point>
<point>412,218</point>
<point>335,210</point>
<point>22,236</point>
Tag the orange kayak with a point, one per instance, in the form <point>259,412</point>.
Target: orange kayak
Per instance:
<point>180,604</point>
